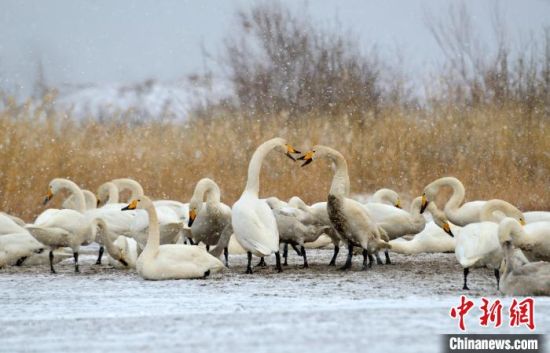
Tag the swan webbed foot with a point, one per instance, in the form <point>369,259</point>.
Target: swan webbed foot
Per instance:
<point>52,270</point>
<point>278,262</point>
<point>387,255</point>
<point>100,255</point>
<point>378,259</point>
<point>333,260</point>
<point>20,261</point>
<point>261,263</point>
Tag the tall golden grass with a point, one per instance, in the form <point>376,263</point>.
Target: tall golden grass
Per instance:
<point>499,152</point>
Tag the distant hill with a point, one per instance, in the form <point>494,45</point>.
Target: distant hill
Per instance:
<point>142,101</point>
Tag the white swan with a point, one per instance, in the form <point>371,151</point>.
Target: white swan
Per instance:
<point>536,216</point>
<point>21,249</point>
<point>432,239</point>
<point>477,244</point>
<point>253,222</point>
<point>348,217</point>
<point>518,276</point>
<point>386,196</point>
<point>107,193</point>
<point>208,217</point>
<point>122,251</point>
<point>534,241</point>
<point>172,261</point>
<point>90,201</point>
<point>9,226</point>
<point>64,230</point>
<point>469,212</point>
<point>135,188</point>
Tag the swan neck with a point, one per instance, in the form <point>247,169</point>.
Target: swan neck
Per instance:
<point>78,195</point>
<point>255,165</point>
<point>457,197</point>
<point>113,193</point>
<point>340,182</point>
<point>153,240</point>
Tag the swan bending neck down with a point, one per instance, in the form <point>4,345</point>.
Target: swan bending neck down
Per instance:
<point>209,220</point>
<point>89,197</point>
<point>477,244</point>
<point>518,276</point>
<point>253,222</point>
<point>348,217</point>
<point>457,214</point>
<point>386,196</point>
<point>107,193</point>
<point>59,184</point>
<point>136,190</point>
<point>170,261</point>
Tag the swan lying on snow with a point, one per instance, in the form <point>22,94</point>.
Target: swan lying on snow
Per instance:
<point>348,217</point>
<point>534,241</point>
<point>433,239</point>
<point>171,261</point>
<point>477,244</point>
<point>9,226</point>
<point>21,249</point>
<point>520,277</point>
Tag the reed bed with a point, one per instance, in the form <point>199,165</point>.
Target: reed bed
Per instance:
<point>497,152</point>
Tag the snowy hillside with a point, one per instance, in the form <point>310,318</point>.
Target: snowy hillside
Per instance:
<point>146,100</point>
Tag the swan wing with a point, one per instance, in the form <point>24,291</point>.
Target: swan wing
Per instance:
<point>255,226</point>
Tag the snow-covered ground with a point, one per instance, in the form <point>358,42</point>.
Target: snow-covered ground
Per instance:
<point>319,309</point>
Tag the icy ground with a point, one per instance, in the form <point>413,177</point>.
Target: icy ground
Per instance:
<point>317,310</point>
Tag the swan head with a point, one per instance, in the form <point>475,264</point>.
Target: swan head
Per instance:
<point>141,203</point>
<point>318,152</point>
<point>54,187</point>
<point>286,149</point>
<point>308,157</point>
<point>424,203</point>
<point>194,208</point>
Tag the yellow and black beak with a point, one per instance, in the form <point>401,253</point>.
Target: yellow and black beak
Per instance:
<point>97,203</point>
<point>48,196</point>
<point>192,216</point>
<point>308,158</point>
<point>447,229</point>
<point>522,221</point>
<point>424,203</point>
<point>131,206</point>
<point>398,203</point>
<point>290,150</point>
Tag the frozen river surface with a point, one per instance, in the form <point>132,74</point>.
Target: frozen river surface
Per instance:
<point>319,309</point>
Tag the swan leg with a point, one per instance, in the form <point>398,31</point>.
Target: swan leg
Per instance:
<point>191,241</point>
<point>278,262</point>
<point>76,269</point>
<point>226,256</point>
<point>466,271</point>
<point>347,265</point>
<point>51,262</point>
<point>100,255</point>
<point>296,249</point>
<point>371,260</point>
<point>285,254</point>
<point>303,250</point>
<point>333,261</point>
<point>20,261</point>
<point>261,263</point>
<point>365,259</point>
<point>207,247</point>
<point>497,276</point>
<point>378,259</point>
<point>387,254</point>
<point>249,265</point>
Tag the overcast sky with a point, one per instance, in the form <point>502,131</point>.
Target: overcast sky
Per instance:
<point>104,41</point>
